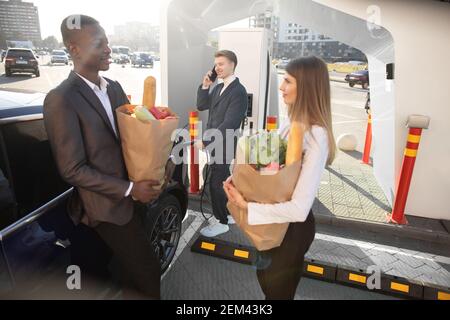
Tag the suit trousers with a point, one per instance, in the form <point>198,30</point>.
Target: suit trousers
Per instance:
<point>218,174</point>
<point>279,270</point>
<point>139,266</point>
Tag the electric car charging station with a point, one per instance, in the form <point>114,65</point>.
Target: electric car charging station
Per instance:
<point>376,227</point>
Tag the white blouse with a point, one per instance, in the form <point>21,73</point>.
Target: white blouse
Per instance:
<point>315,148</point>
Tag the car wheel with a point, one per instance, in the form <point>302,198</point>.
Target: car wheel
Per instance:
<point>37,73</point>
<point>163,226</point>
<point>365,85</point>
<point>351,84</point>
<point>7,73</point>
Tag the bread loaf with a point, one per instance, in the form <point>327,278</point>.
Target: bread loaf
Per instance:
<point>295,143</point>
<point>149,95</point>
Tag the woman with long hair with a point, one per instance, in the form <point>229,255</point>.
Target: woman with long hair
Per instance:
<point>306,93</point>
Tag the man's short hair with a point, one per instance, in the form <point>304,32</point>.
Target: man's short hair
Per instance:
<point>230,55</point>
<point>74,23</point>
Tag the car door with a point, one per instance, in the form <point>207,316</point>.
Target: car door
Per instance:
<point>34,249</point>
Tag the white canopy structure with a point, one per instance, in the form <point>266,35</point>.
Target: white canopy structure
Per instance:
<point>411,34</point>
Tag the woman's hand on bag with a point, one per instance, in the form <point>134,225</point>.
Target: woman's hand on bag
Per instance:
<point>144,192</point>
<point>234,196</point>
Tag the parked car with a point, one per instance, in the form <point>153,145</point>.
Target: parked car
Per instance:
<point>35,229</point>
<point>142,59</point>
<point>59,56</point>
<point>122,59</point>
<point>21,60</point>
<point>67,52</point>
<point>358,77</point>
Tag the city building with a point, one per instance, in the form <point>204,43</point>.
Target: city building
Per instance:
<point>268,21</point>
<point>19,22</point>
<point>292,40</point>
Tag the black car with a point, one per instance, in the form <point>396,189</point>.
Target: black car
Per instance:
<point>35,229</point>
<point>21,60</point>
<point>142,59</point>
<point>122,59</point>
<point>358,77</point>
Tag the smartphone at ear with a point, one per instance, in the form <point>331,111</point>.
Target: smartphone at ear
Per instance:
<point>213,75</point>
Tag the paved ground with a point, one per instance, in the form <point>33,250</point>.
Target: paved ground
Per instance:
<point>194,276</point>
<point>349,189</point>
<point>197,277</point>
<point>131,78</point>
<point>417,260</point>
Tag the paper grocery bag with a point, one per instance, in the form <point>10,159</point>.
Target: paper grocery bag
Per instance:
<point>268,189</point>
<point>262,188</point>
<point>146,146</point>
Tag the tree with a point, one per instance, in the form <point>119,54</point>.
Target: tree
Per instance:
<point>50,43</point>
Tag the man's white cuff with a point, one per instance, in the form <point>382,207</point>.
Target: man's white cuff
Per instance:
<point>129,189</point>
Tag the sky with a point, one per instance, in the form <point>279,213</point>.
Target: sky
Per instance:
<point>109,12</point>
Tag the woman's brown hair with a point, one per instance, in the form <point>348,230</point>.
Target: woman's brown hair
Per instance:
<point>313,103</point>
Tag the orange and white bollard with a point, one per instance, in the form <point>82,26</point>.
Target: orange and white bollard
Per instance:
<point>194,167</point>
<point>368,145</point>
<point>271,123</point>
<point>416,124</point>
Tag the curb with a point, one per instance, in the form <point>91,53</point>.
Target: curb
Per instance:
<point>388,284</point>
<point>329,272</point>
<point>384,228</point>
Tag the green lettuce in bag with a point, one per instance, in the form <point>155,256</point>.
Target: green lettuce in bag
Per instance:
<point>264,149</point>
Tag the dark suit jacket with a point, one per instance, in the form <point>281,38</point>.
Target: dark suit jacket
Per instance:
<point>87,152</point>
<point>226,111</point>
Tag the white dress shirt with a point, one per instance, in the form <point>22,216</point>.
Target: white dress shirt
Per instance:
<point>102,94</point>
<point>226,82</point>
<point>315,146</point>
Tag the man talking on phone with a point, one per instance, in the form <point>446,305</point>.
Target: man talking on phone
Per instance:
<point>227,105</point>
